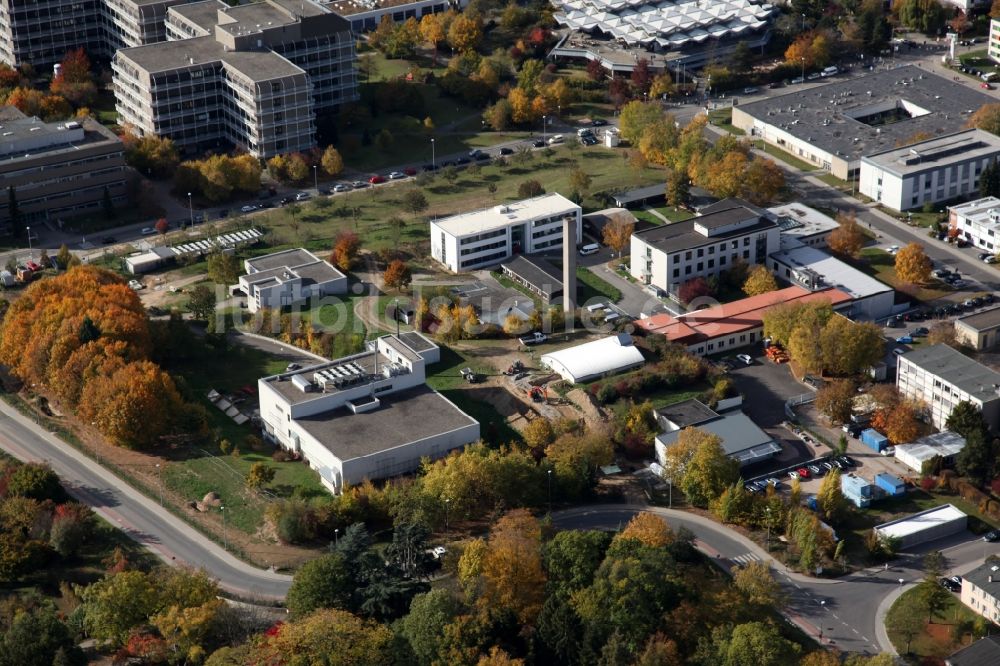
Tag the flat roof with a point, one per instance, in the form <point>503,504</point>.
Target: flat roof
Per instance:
<point>283,259</point>
<point>358,364</point>
<point>27,137</point>
<point>957,369</point>
<point>687,413</point>
<point>165,56</point>
<point>944,444</point>
<point>416,342</point>
<point>729,318</point>
<point>835,273</point>
<point>351,7</point>
<point>936,153</point>
<point>919,522</point>
<point>982,321</point>
<point>682,235</point>
<point>742,439</point>
<point>400,419</point>
<point>318,272</point>
<point>203,14</point>
<point>536,271</point>
<point>799,220</point>
<point>505,215</point>
<point>826,115</point>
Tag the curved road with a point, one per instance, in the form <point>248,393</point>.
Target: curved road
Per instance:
<point>846,613</point>
<point>141,518</point>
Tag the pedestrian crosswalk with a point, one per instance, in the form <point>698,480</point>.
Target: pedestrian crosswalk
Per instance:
<point>745,559</point>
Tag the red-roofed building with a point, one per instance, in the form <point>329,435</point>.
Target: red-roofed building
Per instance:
<point>735,324</point>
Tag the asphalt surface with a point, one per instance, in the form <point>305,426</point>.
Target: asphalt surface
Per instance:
<point>140,517</point>
<point>846,613</point>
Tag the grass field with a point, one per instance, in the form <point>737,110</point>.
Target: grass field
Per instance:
<point>937,640</point>
<point>724,118</point>
<point>785,157</point>
<point>882,266</point>
<point>590,285</point>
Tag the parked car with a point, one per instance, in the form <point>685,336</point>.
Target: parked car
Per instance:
<point>598,122</point>
<point>376,179</point>
<point>342,187</point>
<point>148,231</point>
<point>746,359</point>
<point>794,474</point>
<point>396,175</point>
<point>920,332</point>
<point>751,90</point>
<point>292,367</point>
<point>410,171</point>
<point>950,585</point>
<point>985,86</point>
<point>803,472</point>
<point>538,143</point>
<point>992,536</point>
<point>302,196</point>
<point>888,451</point>
<point>249,208</point>
<point>847,460</point>
<point>430,167</point>
<point>224,213</point>
<point>136,285</point>
<point>506,151</point>
<point>904,340</point>
<point>360,184</point>
<point>816,470</point>
<point>774,482</point>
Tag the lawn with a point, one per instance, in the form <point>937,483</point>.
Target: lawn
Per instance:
<point>590,285</point>
<point>445,376</point>
<point>937,640</point>
<point>646,216</point>
<point>882,266</point>
<point>724,118</point>
<point>833,181</point>
<point>784,156</point>
<point>195,471</point>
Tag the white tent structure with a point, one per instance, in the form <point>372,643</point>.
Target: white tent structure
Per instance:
<point>591,360</point>
<point>946,444</point>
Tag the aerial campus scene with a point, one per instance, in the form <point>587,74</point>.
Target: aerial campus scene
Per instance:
<point>482,332</point>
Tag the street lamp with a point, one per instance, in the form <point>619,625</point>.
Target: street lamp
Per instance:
<point>190,209</point>
<point>316,178</point>
<point>433,156</point>
<point>160,479</point>
<point>544,119</point>
<point>802,59</point>
<point>822,604</point>
<point>767,522</point>
<point>336,536</point>
<point>550,490</point>
<point>31,254</point>
<point>225,535</point>
<point>446,507</point>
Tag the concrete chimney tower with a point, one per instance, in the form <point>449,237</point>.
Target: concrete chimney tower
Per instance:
<point>569,264</point>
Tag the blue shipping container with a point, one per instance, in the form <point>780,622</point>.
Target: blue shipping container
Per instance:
<point>890,483</point>
<point>873,439</point>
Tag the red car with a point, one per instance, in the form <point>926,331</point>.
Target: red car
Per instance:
<point>410,171</point>
<point>376,179</point>
<point>985,86</point>
<point>803,473</point>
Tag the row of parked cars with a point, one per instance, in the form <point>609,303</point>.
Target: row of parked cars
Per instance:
<point>816,469</point>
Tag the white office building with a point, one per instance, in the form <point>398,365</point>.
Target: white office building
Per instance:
<point>669,255</point>
<point>288,277</point>
<point>803,223</point>
<point>941,377</point>
<point>978,222</point>
<point>366,416</point>
<point>938,169</point>
<point>482,238</point>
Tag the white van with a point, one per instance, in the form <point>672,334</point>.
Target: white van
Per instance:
<point>595,307</point>
<point>593,248</point>
<point>557,138</point>
<point>830,71</point>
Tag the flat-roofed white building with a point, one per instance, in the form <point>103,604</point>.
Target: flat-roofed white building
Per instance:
<point>929,525</point>
<point>804,224</point>
<point>288,277</point>
<point>978,222</point>
<point>481,238</point>
<point>815,269</point>
<point>366,416</point>
<point>945,445</point>
<point>930,171</point>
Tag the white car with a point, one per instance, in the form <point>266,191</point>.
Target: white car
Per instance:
<point>888,451</point>
<point>439,552</point>
<point>893,249</point>
<point>302,196</point>
<point>396,175</point>
<point>342,187</point>
<point>148,231</point>
<point>745,358</point>
<point>136,285</point>
<point>248,209</point>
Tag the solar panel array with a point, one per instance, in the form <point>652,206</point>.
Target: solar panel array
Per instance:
<point>232,239</point>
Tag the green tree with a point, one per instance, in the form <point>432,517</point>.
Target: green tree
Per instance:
<point>423,627</point>
<point>978,459</point>
<point>635,117</point>
<point>223,268</point>
<point>34,481</point>
<point>107,205</point>
<point>414,201</point>
<point>260,475</point>
<point>321,583</point>
<point>752,644</point>
<point>965,418</point>
<point>201,303</point>
<point>989,180</point>
<point>830,498</point>
<point>850,347</point>
<point>530,188</point>
<point>64,257</point>
<point>112,607</point>
<point>580,182</point>
<point>36,637</point>
<point>708,472</point>
<point>573,557</point>
<point>756,582</point>
<point>907,620</point>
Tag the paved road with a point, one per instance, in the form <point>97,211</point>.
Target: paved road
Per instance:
<point>141,518</point>
<point>845,613</point>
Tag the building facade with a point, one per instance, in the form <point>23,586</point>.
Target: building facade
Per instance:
<point>366,416</point>
<point>993,41</point>
<point>366,14</point>
<point>981,591</point>
<point>938,169</point>
<point>253,76</point>
<point>475,240</point>
<point>58,170</point>
<point>977,222</point>
<point>289,277</point>
<point>981,330</point>
<point>941,377</point>
<point>40,33</point>
<point>667,256</point>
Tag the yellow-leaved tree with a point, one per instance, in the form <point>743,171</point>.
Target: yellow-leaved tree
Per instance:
<point>913,265</point>
<point>759,281</point>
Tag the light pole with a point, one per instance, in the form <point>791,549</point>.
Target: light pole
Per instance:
<point>190,210</point>
<point>336,536</point>
<point>803,23</point>
<point>822,605</point>
<point>433,156</point>
<point>316,178</point>
<point>31,254</point>
<point>544,119</point>
<point>225,535</point>
<point>802,59</point>
<point>550,490</point>
<point>160,479</point>
<point>446,516</point>
<point>767,522</point>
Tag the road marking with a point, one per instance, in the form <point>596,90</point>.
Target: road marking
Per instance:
<point>855,631</point>
<point>835,616</point>
<point>745,559</point>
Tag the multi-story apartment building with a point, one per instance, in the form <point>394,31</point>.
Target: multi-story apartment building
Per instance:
<point>981,591</point>
<point>668,256</point>
<point>58,170</point>
<point>40,33</point>
<point>941,377</point>
<point>253,76</point>
<point>993,40</point>
<point>978,222</point>
<point>481,238</point>
<point>937,169</point>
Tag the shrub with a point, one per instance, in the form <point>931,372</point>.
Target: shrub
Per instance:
<point>280,455</point>
<point>606,393</point>
<point>927,482</point>
<point>225,446</point>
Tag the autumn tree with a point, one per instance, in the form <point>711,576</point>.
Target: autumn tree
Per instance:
<point>539,433</point>
<point>759,281</point>
<point>847,239</point>
<point>161,226</point>
<point>762,181</point>
<point>693,289</point>
<point>903,423</point>
<point>465,32</point>
<point>74,80</point>
<point>201,304</point>
<point>512,572</point>
<point>345,250</point>
<point>617,233</point>
<point>849,347</point>
<point>530,189</point>
<point>150,155</point>
<point>647,528</point>
<point>331,161</point>
<point>397,275</point>
<point>433,31</point>
<point>830,498</point>
<point>223,268</point>
<point>699,466</point>
<point>835,400</point>
<point>327,632</point>
<point>579,182</point>
<point>260,475</point>
<point>913,265</point>
<point>758,584</point>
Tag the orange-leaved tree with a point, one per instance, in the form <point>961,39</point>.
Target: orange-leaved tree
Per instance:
<point>345,250</point>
